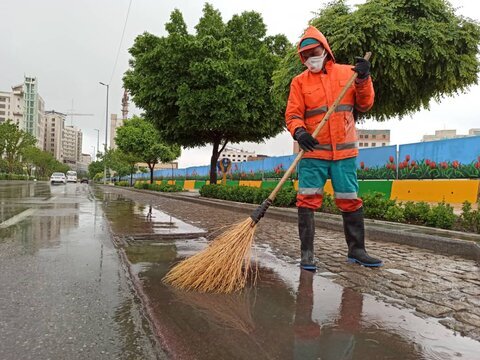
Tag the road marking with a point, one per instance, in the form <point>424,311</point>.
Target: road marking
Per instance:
<point>17,218</point>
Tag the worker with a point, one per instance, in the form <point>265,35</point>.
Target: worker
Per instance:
<point>333,152</point>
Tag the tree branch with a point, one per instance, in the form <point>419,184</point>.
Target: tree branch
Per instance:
<point>223,146</point>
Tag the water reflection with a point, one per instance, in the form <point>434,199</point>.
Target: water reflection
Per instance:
<point>345,336</point>
<point>311,318</point>
<point>142,222</point>
<point>48,216</point>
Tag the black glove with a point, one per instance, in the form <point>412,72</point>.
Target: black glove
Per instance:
<point>306,141</point>
<point>362,67</point>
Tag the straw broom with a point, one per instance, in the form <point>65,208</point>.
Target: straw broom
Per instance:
<point>224,266</point>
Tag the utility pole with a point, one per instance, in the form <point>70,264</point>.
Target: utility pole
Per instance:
<point>106,131</point>
<point>98,139</point>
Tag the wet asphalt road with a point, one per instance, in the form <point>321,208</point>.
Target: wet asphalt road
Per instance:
<point>63,290</point>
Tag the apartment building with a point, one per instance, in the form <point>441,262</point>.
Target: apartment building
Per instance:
<point>54,128</point>
<point>26,108</point>
<point>115,123</point>
<point>72,144</point>
<point>236,155</point>
<point>373,138</point>
<point>449,134</point>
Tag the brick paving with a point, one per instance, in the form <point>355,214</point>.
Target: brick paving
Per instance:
<point>444,287</point>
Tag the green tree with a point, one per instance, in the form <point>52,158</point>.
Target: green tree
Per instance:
<point>420,50</point>
<point>212,87</point>
<point>13,143</point>
<point>44,162</point>
<point>94,168</point>
<point>141,140</point>
<point>122,163</point>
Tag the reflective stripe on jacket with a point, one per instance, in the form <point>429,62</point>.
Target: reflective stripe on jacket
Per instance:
<point>311,95</point>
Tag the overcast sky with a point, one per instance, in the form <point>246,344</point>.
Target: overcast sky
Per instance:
<point>71,45</point>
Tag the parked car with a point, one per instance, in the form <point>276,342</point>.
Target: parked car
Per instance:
<point>58,178</point>
<point>71,176</point>
<point>84,181</point>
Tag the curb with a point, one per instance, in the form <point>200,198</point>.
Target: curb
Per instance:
<point>441,241</point>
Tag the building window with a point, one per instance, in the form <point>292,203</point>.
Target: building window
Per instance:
<point>374,144</point>
<point>360,144</point>
<point>384,136</point>
<point>383,144</point>
<point>365,144</point>
<point>361,136</point>
<point>366,136</point>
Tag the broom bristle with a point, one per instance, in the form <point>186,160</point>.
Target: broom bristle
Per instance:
<point>223,267</point>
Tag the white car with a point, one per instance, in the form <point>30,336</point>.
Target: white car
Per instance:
<point>58,178</point>
<point>72,176</point>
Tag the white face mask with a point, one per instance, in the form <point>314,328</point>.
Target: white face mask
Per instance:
<point>315,63</point>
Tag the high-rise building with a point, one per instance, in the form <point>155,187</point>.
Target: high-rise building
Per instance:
<point>26,108</point>
<point>115,123</point>
<point>54,127</point>
<point>72,145</point>
<point>5,111</point>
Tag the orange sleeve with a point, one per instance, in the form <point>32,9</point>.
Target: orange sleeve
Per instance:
<point>364,94</point>
<point>294,115</point>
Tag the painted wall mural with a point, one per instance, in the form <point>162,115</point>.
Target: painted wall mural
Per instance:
<point>442,159</point>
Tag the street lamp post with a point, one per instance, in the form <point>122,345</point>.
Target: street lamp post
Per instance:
<point>106,130</point>
<point>98,139</point>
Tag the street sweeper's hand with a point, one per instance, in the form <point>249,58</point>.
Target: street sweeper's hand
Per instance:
<point>306,141</point>
<point>362,67</point>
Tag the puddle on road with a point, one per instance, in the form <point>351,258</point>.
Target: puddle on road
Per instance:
<point>144,222</point>
<point>291,314</point>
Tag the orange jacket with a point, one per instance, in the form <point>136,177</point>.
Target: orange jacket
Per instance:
<point>311,94</point>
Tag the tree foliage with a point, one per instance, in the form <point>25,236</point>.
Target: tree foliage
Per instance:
<point>94,168</point>
<point>13,143</point>
<point>421,50</point>
<point>121,163</point>
<point>43,162</point>
<point>140,140</point>
<point>212,87</point>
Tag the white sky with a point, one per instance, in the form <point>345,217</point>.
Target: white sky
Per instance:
<point>71,45</point>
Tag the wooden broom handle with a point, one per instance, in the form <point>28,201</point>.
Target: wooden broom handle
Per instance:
<point>319,127</point>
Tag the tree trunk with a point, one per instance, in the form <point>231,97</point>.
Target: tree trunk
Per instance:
<point>151,167</point>
<point>213,162</point>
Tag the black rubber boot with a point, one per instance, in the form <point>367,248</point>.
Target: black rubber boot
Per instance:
<point>306,231</point>
<point>354,228</point>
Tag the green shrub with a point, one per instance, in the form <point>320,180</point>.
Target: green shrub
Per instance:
<point>285,197</point>
<point>122,183</point>
<point>248,194</point>
<point>5,176</point>
<point>395,213</point>
<point>469,218</point>
<point>376,205</point>
<point>441,216</point>
<point>416,212</point>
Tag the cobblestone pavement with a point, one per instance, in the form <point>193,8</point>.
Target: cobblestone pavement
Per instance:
<point>444,287</point>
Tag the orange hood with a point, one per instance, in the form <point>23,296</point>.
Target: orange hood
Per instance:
<point>312,32</point>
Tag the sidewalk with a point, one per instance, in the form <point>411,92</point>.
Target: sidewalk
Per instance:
<point>432,284</point>
<point>441,241</point>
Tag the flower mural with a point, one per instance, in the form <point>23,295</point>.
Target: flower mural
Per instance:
<point>429,169</point>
